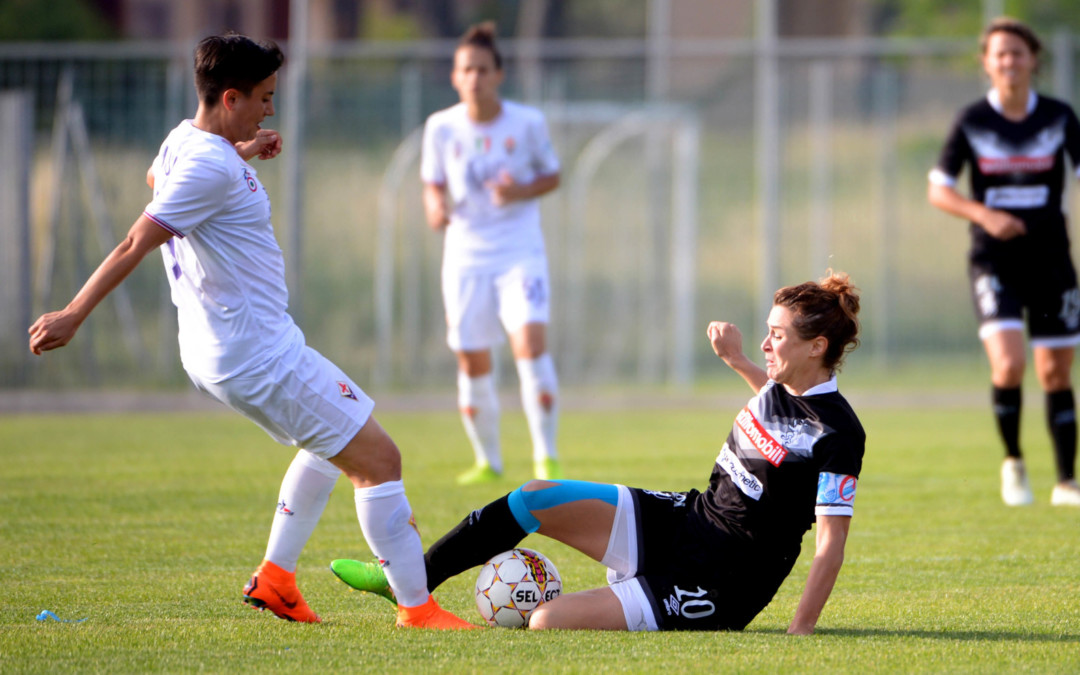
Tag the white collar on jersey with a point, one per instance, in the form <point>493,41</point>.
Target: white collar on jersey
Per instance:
<point>994,99</point>
<point>823,388</point>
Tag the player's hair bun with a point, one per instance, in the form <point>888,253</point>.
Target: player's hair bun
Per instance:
<point>847,295</point>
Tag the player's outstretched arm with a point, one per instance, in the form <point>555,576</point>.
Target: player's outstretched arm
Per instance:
<point>56,329</point>
<point>832,534</point>
<point>726,341</point>
<point>265,145</point>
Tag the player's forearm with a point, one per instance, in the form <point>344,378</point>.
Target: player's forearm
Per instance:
<point>952,202</point>
<point>435,205</point>
<point>824,570</point>
<point>819,586</point>
<point>110,273</point>
<point>541,186</point>
<point>754,374</point>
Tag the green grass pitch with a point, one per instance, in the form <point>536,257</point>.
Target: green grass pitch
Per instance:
<point>148,526</point>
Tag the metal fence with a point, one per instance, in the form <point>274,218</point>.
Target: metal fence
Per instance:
<point>752,164</point>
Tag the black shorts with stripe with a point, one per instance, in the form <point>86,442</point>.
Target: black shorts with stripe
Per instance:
<point>1004,289</point>
<point>696,576</point>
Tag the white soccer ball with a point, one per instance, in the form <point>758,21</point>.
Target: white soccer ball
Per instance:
<point>512,584</point>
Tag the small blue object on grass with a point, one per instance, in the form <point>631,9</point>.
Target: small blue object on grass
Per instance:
<point>46,614</point>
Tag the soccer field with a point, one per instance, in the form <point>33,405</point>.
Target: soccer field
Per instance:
<point>148,525</point>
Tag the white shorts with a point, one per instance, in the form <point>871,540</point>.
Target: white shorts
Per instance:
<point>480,306</point>
<point>299,398</point>
<point>621,559</point>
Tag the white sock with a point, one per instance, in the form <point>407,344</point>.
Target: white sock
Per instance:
<point>539,398</point>
<point>386,520</point>
<point>479,405</point>
<point>304,492</point>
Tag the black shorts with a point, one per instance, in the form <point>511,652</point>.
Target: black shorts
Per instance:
<point>1003,291</point>
<point>695,576</point>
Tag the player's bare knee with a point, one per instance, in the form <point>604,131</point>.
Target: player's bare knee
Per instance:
<point>1008,371</point>
<point>1053,375</point>
<point>536,484</point>
<point>386,461</point>
<point>540,619</point>
<point>370,458</point>
<point>1055,381</point>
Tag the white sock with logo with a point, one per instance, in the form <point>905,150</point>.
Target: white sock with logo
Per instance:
<point>478,402</point>
<point>386,520</point>
<point>539,398</point>
<point>304,493</point>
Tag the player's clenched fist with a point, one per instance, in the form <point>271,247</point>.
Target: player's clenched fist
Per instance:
<point>725,338</point>
<point>51,331</point>
<point>265,145</point>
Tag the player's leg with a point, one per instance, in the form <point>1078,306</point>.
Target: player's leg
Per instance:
<point>999,310</point>
<point>303,399</point>
<point>302,499</point>
<point>1005,351</point>
<point>269,397</point>
<point>478,403</point>
<point>472,329</point>
<point>1055,332</point>
<point>303,496</point>
<point>596,609</point>
<point>539,396</point>
<point>577,513</point>
<point>1053,366</point>
<point>630,601</point>
<point>372,462</point>
<point>524,310</point>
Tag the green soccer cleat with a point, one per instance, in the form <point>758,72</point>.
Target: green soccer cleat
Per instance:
<point>547,469</point>
<point>364,576</point>
<point>478,475</point>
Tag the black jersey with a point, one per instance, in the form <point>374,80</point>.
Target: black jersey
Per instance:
<point>1017,167</point>
<point>787,459</point>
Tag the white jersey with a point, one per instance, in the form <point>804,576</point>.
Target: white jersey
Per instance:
<point>466,157</point>
<point>225,267</point>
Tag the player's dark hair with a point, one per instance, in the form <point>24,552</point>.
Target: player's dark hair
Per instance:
<point>828,308</point>
<point>233,61</point>
<point>1005,24</point>
<point>482,35</point>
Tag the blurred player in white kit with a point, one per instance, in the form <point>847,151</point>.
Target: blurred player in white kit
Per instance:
<point>485,163</point>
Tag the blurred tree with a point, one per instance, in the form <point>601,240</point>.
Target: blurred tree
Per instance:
<point>26,20</point>
<point>604,19</point>
<point>379,22</point>
<point>958,18</point>
<point>558,18</point>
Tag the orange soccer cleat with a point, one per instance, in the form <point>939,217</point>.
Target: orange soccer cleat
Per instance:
<point>275,589</point>
<point>430,615</point>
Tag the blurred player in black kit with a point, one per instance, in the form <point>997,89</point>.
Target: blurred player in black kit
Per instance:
<point>1014,142</point>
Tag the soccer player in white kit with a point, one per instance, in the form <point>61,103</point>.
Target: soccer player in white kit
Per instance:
<point>210,216</point>
<point>485,163</point>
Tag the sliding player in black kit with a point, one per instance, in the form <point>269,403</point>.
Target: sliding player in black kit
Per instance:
<point>1014,142</point>
<point>707,560</point>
